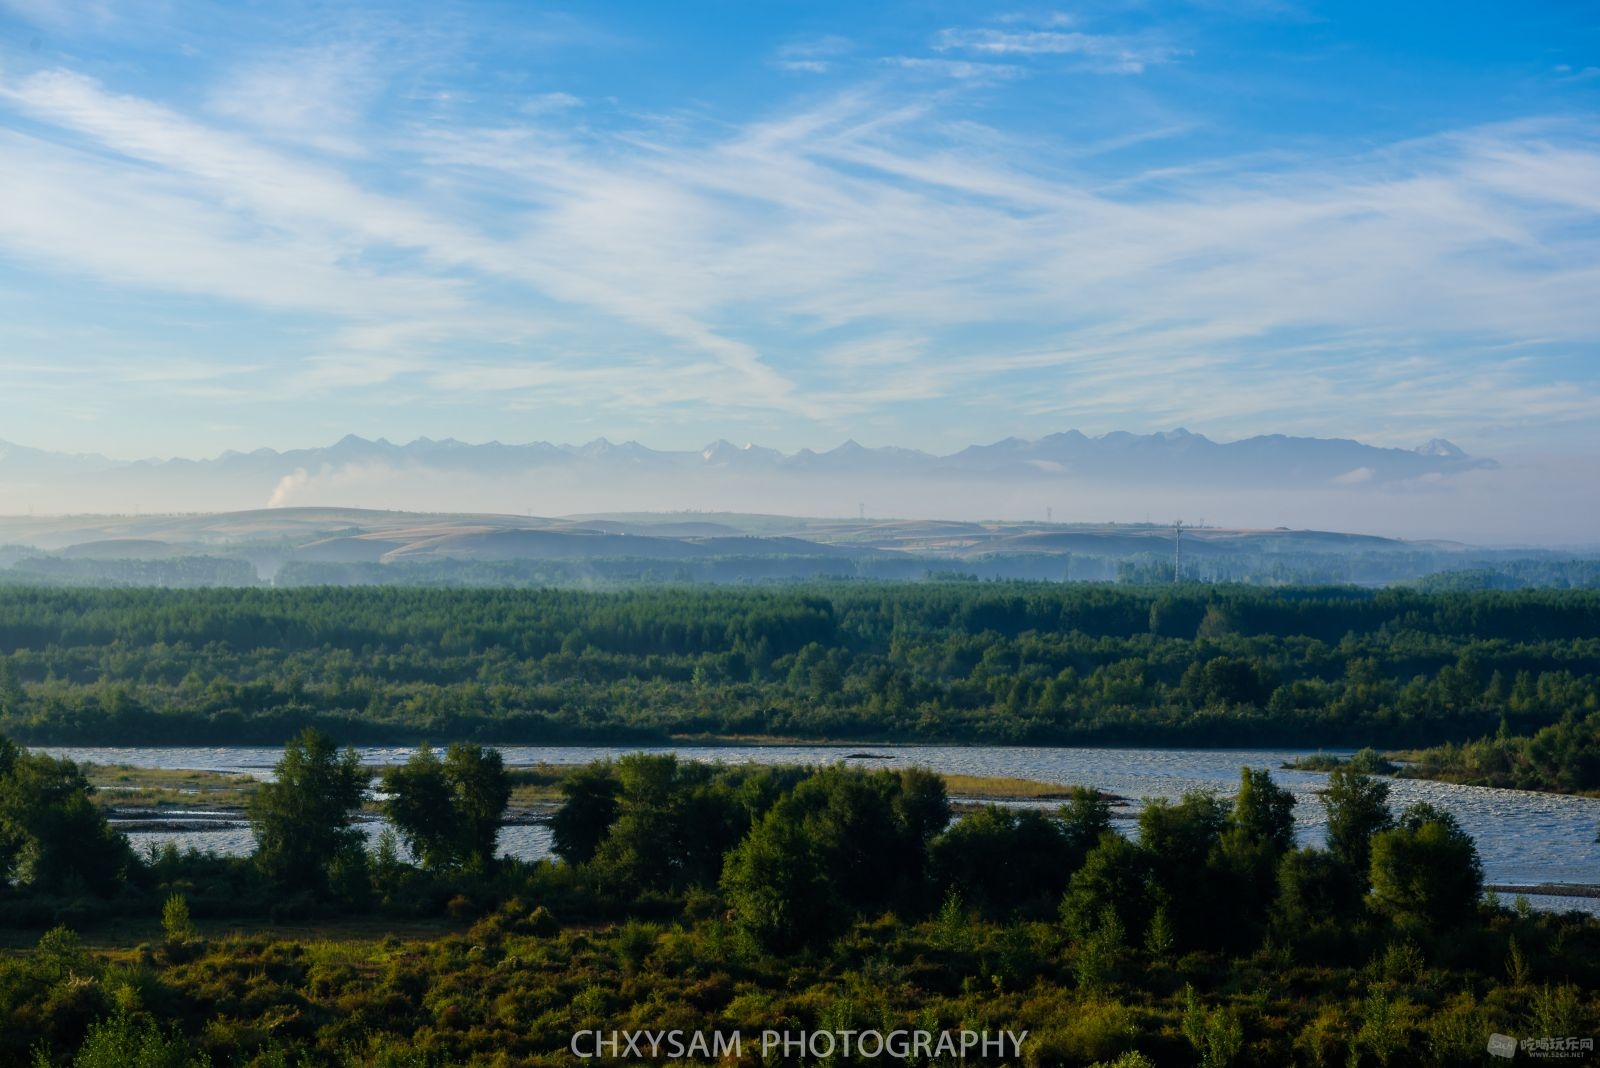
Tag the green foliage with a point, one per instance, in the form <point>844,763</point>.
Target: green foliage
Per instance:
<point>1215,1033</point>
<point>133,1041</point>
<point>302,819</point>
<point>1555,1010</point>
<point>1318,893</point>
<point>989,662</point>
<point>1115,875</point>
<point>1243,872</point>
<point>449,811</point>
<point>1358,808</point>
<point>1369,761</point>
<point>1131,1059</point>
<point>1383,1032</point>
<point>824,917</point>
<point>52,837</point>
<point>953,923</point>
<point>777,887</point>
<point>1004,860</point>
<point>1100,953</point>
<point>419,806</point>
<point>1159,937</point>
<point>1563,757</point>
<point>61,955</point>
<point>587,812</point>
<point>921,806</point>
<point>840,842</point>
<point>1182,834</point>
<point>1085,819</point>
<point>1182,843</point>
<point>1425,871</point>
<point>673,824</point>
<point>479,792</point>
<point>176,924</point>
<point>1263,813</point>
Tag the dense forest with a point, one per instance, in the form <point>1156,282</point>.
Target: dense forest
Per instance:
<point>963,661</point>
<point>1561,758</point>
<point>712,899</point>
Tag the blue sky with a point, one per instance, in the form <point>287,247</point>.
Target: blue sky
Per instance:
<point>235,225</point>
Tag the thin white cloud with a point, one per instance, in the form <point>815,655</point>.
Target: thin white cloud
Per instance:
<point>545,103</point>
<point>812,55</point>
<point>134,228</point>
<point>808,66</point>
<point>962,69</point>
<point>312,96</point>
<point>1105,53</point>
<point>877,351</point>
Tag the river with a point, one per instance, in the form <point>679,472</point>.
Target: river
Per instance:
<point>1523,837</point>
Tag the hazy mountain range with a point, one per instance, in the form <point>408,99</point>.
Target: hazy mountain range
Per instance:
<point>1433,491</point>
<point>1176,458</point>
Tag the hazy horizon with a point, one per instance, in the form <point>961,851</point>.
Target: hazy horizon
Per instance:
<point>1439,498</point>
<point>920,226</point>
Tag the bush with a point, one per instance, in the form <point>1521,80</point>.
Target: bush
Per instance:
<point>126,1040</point>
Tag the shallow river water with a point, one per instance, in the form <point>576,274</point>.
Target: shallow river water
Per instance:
<point>1523,837</point>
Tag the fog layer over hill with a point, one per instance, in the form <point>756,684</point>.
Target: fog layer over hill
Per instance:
<point>345,546</point>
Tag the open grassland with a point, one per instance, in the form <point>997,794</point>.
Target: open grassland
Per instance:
<point>516,985</point>
<point>125,786</point>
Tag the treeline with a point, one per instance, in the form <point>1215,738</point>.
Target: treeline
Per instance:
<point>705,897</point>
<point>800,854</point>
<point>1561,758</point>
<point>983,662</point>
<point>274,564</point>
<point>60,860</point>
<point>623,572</point>
<point>1514,574</point>
<point>178,571</point>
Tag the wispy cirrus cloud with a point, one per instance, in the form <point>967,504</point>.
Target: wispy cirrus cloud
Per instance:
<point>965,70</point>
<point>62,14</point>
<point>314,96</point>
<point>813,55</point>
<point>827,258</point>
<point>1103,52</point>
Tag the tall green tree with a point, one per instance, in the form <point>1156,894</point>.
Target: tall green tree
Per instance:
<point>1243,875</point>
<point>1002,859</point>
<point>479,793</point>
<point>1315,887</point>
<point>777,884</point>
<point>1181,835</point>
<point>52,837</point>
<point>303,819</point>
<point>1179,840</point>
<point>922,804</point>
<point>1425,870</point>
<point>640,847</point>
<point>1115,876</point>
<point>1358,808</point>
<point>421,806</point>
<point>449,811</point>
<point>1263,813</point>
<point>588,809</point>
<point>1085,818</point>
